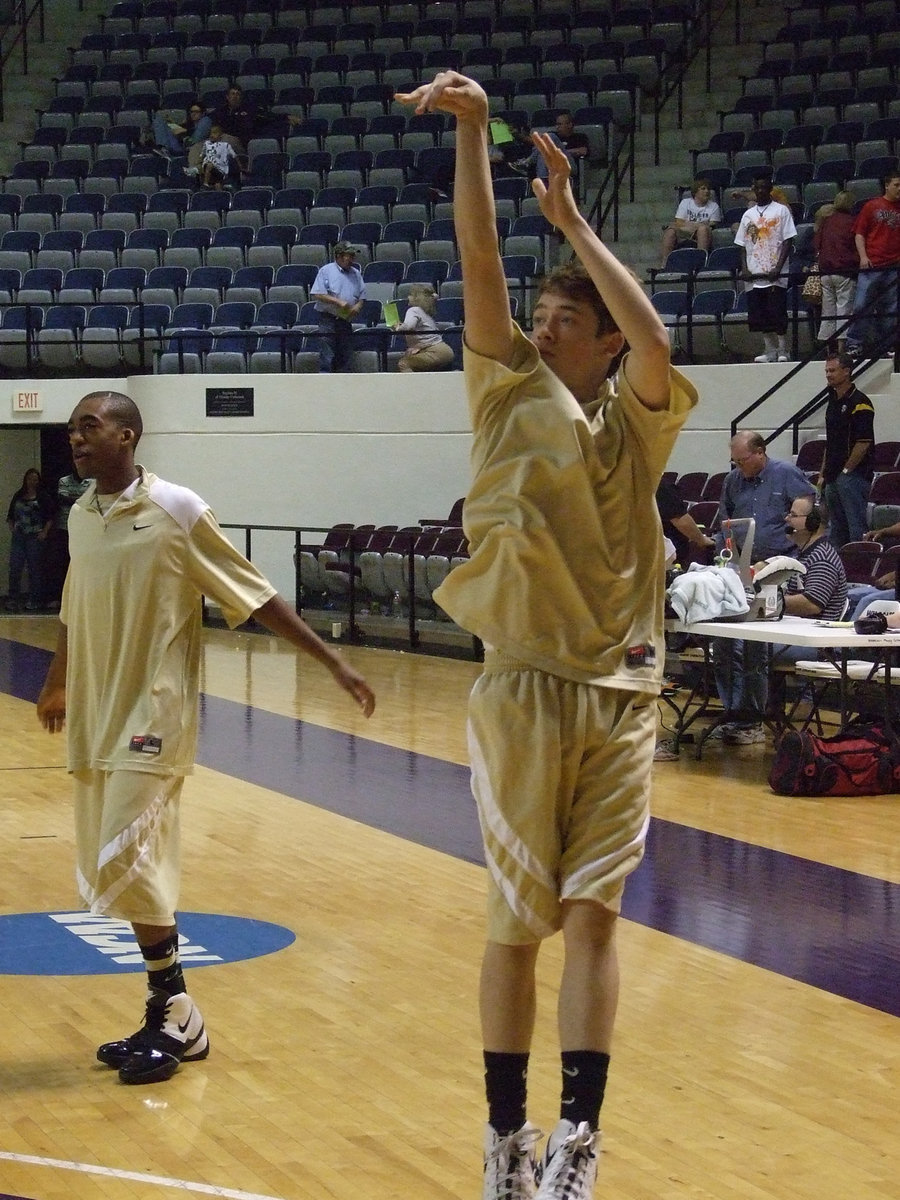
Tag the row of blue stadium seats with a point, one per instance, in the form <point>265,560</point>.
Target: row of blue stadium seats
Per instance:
<point>386,280</point>
<point>804,187</point>
<point>677,306</point>
<point>844,104</point>
<point>202,313</point>
<point>250,205</point>
<point>445,29</point>
<point>202,227</point>
<point>116,105</point>
<point>804,143</point>
<point>238,246</point>
<point>148,173</point>
<point>380,558</point>
<point>153,337</point>
<point>124,66</point>
<point>841,49</point>
<point>198,314</point>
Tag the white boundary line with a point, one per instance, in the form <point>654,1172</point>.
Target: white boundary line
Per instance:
<point>135,1176</point>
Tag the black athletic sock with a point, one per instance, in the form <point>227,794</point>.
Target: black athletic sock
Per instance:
<point>506,1082</point>
<point>583,1084</point>
<point>163,966</point>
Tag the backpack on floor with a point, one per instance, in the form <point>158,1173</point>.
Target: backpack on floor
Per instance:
<point>864,760</point>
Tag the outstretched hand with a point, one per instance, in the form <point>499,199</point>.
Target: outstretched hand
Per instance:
<point>354,684</point>
<point>449,92</point>
<point>555,197</point>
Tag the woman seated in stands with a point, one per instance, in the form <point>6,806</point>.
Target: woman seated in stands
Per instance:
<point>425,349</point>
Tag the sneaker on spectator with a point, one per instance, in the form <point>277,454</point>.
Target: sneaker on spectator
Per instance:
<point>766,356</point>
<point>665,752</point>
<point>570,1163</point>
<point>744,735</point>
<point>717,734</point>
<point>509,1164</point>
<point>783,358</point>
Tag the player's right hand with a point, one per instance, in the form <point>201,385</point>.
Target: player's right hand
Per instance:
<point>51,709</point>
<point>449,92</point>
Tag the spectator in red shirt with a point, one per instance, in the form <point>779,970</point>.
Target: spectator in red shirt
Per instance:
<point>877,235</point>
<point>838,266</point>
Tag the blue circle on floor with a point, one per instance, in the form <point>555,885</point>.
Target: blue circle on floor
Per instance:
<point>77,943</point>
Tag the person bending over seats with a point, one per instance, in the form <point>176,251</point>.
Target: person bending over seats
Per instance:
<point>564,585</point>
<point>425,348</point>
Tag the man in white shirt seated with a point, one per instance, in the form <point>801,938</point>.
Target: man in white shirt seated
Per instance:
<point>695,218</point>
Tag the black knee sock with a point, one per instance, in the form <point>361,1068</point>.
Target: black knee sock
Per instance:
<point>506,1081</point>
<point>163,967</point>
<point>583,1085</point>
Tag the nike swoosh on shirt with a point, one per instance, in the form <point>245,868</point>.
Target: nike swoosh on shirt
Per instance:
<point>150,526</point>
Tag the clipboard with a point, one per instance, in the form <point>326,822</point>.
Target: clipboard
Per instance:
<point>391,313</point>
<point>500,132</point>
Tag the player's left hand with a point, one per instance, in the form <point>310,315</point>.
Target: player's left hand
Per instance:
<point>354,684</point>
<point>555,197</point>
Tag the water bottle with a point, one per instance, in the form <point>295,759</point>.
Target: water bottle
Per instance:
<point>396,605</point>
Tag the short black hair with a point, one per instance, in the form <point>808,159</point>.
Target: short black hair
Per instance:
<point>121,409</point>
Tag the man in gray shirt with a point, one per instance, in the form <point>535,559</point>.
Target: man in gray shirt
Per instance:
<point>338,291</point>
<point>763,488</point>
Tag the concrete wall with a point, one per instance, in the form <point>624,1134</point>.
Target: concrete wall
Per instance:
<point>380,448</point>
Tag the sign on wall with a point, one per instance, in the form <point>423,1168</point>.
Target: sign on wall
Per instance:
<point>229,402</point>
<point>27,402</point>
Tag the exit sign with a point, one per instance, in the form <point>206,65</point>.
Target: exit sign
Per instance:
<point>27,402</point>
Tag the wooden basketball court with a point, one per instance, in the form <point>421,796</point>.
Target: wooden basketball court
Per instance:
<point>757,1053</point>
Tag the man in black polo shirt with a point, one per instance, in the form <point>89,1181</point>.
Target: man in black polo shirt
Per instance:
<point>678,524</point>
<point>849,439</point>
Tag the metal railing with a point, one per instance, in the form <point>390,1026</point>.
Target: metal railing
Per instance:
<point>347,565</point>
<point>15,35</point>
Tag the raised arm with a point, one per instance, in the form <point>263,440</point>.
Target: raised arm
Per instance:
<point>489,329</point>
<point>647,365</point>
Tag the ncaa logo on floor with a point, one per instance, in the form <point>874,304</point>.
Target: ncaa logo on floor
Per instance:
<point>77,943</point>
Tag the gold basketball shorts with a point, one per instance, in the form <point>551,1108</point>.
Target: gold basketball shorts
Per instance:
<point>129,846</point>
<point>561,777</point>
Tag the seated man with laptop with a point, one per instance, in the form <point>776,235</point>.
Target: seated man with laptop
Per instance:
<point>742,668</point>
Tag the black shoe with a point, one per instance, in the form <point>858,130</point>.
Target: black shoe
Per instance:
<point>172,1033</point>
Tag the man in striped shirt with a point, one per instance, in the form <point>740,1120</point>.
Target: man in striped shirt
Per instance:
<point>820,593</point>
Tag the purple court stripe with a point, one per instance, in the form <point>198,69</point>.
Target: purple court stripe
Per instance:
<point>826,927</point>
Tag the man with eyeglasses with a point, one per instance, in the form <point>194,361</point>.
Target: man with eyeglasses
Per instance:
<point>175,134</point>
<point>763,488</point>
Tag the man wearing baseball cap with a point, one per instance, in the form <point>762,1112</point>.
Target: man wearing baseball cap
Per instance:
<point>338,291</point>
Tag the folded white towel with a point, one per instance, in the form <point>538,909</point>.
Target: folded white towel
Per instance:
<point>708,594</point>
